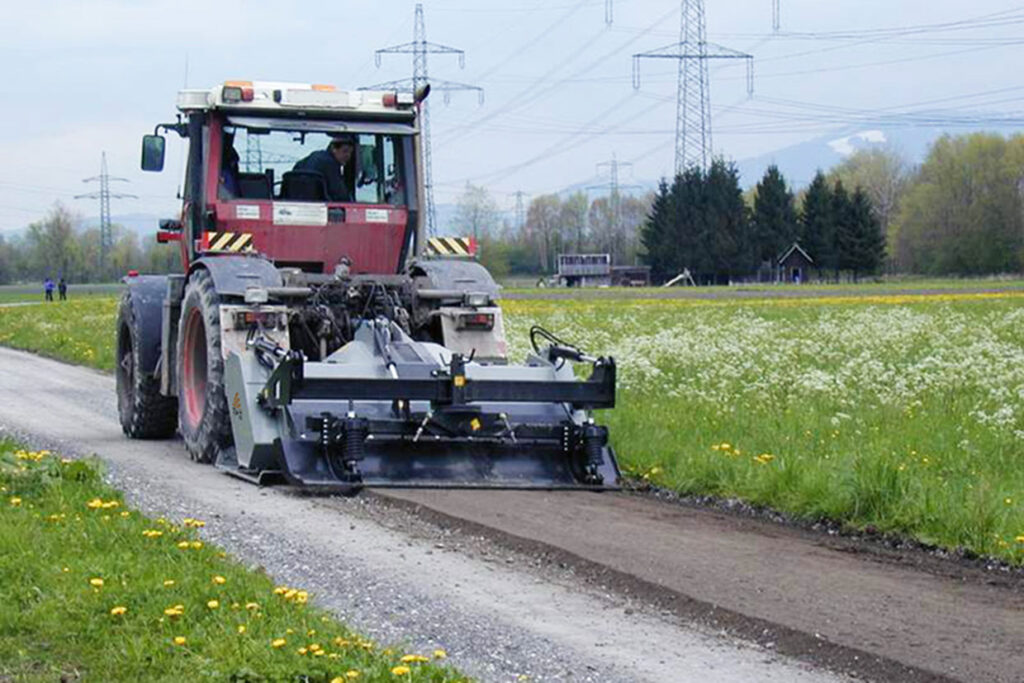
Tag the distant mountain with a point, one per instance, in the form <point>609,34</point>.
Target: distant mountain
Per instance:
<point>800,162</point>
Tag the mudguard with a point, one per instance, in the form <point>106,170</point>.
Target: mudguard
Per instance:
<point>233,274</point>
<point>147,297</point>
<point>456,275</point>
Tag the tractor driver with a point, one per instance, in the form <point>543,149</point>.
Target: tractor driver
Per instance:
<point>332,163</point>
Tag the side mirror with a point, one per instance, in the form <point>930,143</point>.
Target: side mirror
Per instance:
<point>153,152</point>
<point>421,93</point>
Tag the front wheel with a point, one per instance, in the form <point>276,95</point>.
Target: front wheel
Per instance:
<point>203,418</point>
<point>143,411</point>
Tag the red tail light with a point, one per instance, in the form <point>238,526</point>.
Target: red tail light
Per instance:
<point>476,321</point>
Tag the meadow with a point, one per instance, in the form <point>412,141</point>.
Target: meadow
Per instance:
<point>93,589</point>
<point>900,413</point>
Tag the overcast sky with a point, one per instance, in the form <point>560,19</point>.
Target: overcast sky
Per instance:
<point>81,78</point>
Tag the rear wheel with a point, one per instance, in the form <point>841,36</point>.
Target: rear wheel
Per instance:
<point>144,412</point>
<point>203,418</point>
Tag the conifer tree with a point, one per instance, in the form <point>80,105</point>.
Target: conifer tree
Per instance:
<point>727,223</point>
<point>656,235</point>
<point>817,225</point>
<point>844,231</point>
<point>774,221</point>
<point>869,242</point>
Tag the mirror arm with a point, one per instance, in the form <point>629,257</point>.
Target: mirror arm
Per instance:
<point>180,128</point>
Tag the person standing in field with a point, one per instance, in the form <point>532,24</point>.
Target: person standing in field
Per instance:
<point>62,289</point>
<point>48,289</point>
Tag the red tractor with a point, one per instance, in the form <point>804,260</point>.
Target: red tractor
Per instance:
<point>309,339</point>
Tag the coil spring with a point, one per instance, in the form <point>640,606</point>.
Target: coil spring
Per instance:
<point>353,445</point>
<point>594,439</point>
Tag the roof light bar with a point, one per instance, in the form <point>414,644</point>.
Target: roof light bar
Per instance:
<point>237,91</point>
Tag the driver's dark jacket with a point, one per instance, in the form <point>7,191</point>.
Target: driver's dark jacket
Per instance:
<point>324,163</point>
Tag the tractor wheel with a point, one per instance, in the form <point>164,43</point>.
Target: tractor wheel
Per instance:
<point>203,418</point>
<point>144,412</point>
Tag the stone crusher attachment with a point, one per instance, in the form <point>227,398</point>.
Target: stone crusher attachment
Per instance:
<point>385,410</point>
<point>312,336</point>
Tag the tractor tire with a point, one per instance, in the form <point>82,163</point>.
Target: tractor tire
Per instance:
<point>203,418</point>
<point>144,412</point>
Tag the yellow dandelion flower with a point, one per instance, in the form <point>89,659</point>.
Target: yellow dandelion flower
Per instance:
<point>15,501</point>
<point>219,580</point>
<point>241,628</point>
<point>197,544</point>
<point>337,679</point>
<point>125,513</point>
<point>352,673</point>
<point>340,642</point>
<point>412,659</point>
<point>96,582</point>
<point>94,504</point>
<point>400,671</point>
<point>1008,501</point>
<point>168,583</point>
<point>319,653</point>
<point>183,545</point>
<point>179,640</point>
<point>280,590</point>
<point>715,447</point>
<point>301,597</point>
<point>334,655</point>
<point>278,643</point>
<point>314,647</point>
<point>252,605</point>
<point>440,654</point>
<point>118,611</point>
<point>311,632</point>
<point>289,631</point>
<point>724,446</point>
<point>213,604</point>
<point>290,593</point>
<point>66,570</point>
<point>301,651</point>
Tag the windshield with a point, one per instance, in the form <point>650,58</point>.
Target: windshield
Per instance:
<point>260,163</point>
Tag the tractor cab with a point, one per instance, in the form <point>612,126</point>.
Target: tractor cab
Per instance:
<point>244,193</point>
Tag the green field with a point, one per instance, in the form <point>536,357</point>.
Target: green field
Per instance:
<point>904,413</point>
<point>94,590</point>
<point>30,293</point>
<point>520,289</point>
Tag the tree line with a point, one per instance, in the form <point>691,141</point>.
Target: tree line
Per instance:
<point>701,223</point>
<point>551,225</point>
<point>60,245</point>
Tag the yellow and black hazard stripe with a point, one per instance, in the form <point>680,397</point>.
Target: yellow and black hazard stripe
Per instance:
<point>451,246</point>
<point>227,241</point>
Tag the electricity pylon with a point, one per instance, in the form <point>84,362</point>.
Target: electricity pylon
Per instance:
<point>693,90</point>
<point>419,48</point>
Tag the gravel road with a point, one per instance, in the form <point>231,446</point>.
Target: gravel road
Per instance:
<point>396,574</point>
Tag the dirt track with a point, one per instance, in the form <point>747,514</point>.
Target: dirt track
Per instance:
<point>648,567</point>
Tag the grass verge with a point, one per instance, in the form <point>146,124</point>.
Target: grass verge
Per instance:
<point>92,589</point>
<point>78,331</point>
